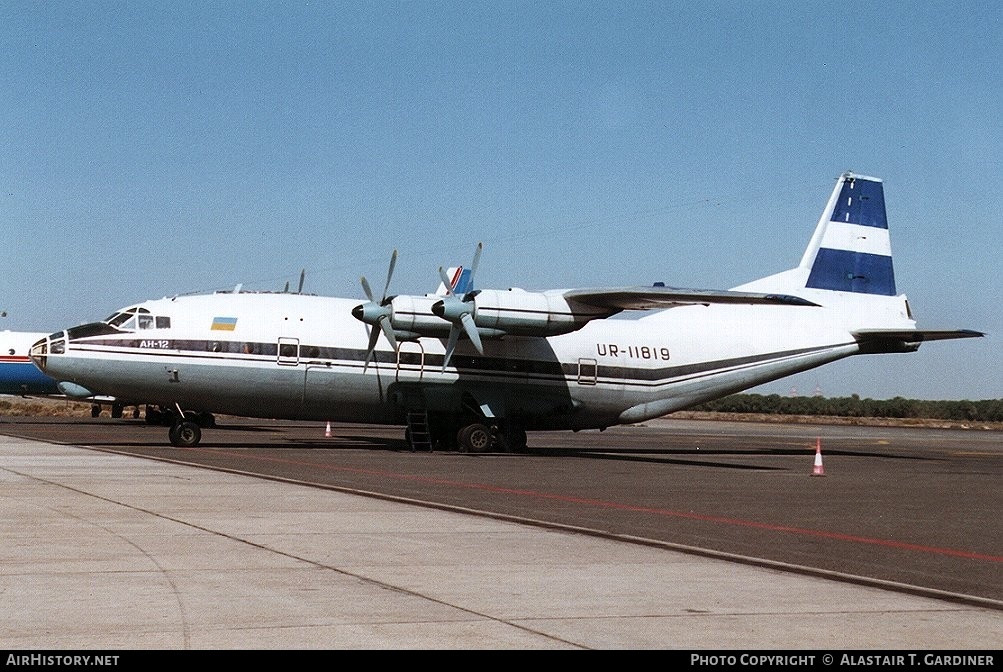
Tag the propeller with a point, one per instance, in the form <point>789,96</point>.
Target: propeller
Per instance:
<point>377,313</point>
<point>459,311</point>
<point>302,278</point>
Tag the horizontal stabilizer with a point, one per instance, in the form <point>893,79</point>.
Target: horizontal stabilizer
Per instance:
<point>648,298</point>
<point>906,340</point>
<point>915,335</point>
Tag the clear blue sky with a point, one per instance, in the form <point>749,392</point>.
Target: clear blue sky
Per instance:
<point>152,149</point>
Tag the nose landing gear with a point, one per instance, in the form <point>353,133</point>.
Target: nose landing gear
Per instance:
<point>185,434</point>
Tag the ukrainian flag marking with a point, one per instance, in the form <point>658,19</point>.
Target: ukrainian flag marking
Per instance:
<point>224,323</point>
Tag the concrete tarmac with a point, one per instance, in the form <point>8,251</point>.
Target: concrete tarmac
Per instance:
<point>110,552</point>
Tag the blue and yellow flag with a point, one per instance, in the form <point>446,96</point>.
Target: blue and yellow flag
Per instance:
<point>224,323</point>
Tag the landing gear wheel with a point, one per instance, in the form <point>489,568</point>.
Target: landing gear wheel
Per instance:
<point>95,410</point>
<point>475,438</point>
<point>185,434</point>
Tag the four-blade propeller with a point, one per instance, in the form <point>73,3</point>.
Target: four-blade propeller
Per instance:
<point>458,311</point>
<point>455,309</point>
<point>377,314</point>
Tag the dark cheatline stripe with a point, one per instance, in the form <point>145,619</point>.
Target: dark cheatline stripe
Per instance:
<point>492,367</point>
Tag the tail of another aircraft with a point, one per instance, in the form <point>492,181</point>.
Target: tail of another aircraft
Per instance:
<point>461,281</point>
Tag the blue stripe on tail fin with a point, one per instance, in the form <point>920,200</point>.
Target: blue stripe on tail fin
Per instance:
<point>854,254</point>
<point>861,201</point>
<point>846,271</point>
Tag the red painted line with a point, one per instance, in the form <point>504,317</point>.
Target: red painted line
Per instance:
<point>602,504</point>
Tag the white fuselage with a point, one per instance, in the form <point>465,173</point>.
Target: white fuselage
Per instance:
<point>304,357</point>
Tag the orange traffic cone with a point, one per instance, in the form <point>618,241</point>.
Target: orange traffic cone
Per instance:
<point>818,470</point>
<point>327,432</point>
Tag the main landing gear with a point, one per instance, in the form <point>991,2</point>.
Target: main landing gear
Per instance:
<point>475,438</point>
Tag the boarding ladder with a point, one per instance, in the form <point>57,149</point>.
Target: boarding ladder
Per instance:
<point>417,431</point>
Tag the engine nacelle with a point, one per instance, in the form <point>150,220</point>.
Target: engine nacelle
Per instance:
<point>414,313</point>
<point>495,313</point>
<point>522,313</point>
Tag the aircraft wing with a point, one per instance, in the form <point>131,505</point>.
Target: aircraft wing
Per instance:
<point>648,298</point>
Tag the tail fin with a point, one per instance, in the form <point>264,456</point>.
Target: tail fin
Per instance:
<point>848,266</point>
<point>850,250</point>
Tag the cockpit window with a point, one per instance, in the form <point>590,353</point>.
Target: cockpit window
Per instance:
<point>133,319</point>
<point>85,330</point>
<point>119,319</point>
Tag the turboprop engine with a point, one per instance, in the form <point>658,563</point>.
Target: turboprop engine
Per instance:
<point>520,313</point>
<point>476,313</point>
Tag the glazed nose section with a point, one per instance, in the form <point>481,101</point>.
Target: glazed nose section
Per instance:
<point>54,344</point>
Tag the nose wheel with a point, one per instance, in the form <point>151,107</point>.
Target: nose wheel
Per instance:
<point>185,434</point>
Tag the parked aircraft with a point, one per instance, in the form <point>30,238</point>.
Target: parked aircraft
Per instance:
<point>18,374</point>
<point>476,368</point>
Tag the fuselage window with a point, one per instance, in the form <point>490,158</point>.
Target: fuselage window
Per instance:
<point>163,322</point>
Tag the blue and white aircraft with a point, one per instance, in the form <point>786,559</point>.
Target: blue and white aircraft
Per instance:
<point>18,374</point>
<point>474,369</point>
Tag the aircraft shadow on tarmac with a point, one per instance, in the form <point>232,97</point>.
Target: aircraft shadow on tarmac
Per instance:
<point>269,438</point>
<point>665,455</point>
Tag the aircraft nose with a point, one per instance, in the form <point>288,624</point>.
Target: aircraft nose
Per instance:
<point>54,344</point>
<point>38,353</point>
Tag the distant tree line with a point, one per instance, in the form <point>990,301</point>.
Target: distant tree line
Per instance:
<point>988,410</point>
